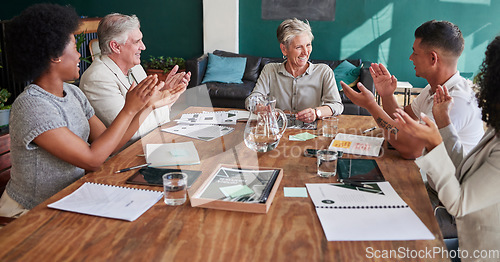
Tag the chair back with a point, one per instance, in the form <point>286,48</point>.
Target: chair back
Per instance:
<point>4,161</point>
<point>94,48</point>
<point>4,171</point>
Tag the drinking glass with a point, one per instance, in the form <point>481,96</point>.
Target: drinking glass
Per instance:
<point>174,188</point>
<point>327,163</point>
<point>330,126</point>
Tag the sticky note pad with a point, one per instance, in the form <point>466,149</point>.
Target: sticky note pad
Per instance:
<point>341,144</point>
<point>179,152</point>
<point>293,138</point>
<point>236,191</point>
<point>295,191</point>
<point>302,137</point>
<point>305,136</point>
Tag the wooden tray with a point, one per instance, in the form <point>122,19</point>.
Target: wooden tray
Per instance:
<point>197,201</point>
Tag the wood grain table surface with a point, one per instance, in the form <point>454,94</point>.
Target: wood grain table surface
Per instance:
<point>290,231</point>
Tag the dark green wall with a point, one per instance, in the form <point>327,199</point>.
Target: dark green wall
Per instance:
<point>170,27</point>
<point>374,30</point>
<point>379,31</point>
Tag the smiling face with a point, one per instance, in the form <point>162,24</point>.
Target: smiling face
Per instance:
<point>130,52</point>
<point>298,51</point>
<point>69,62</point>
<point>420,58</point>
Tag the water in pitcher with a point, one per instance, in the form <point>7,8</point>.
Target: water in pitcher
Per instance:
<point>261,142</point>
<point>262,131</point>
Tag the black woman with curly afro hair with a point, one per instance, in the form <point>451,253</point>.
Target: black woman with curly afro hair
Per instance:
<point>488,83</point>
<point>55,135</point>
<point>467,185</point>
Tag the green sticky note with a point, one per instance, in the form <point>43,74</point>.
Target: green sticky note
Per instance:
<point>305,136</point>
<point>236,191</point>
<point>178,152</point>
<point>295,191</point>
<point>294,138</point>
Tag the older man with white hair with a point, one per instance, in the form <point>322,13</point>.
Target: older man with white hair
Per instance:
<point>111,74</point>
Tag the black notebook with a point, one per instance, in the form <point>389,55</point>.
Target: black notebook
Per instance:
<point>153,176</point>
<point>359,170</point>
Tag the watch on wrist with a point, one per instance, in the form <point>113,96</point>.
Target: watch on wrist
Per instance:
<point>318,113</point>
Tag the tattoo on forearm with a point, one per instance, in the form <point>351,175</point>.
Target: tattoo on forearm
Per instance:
<point>383,124</point>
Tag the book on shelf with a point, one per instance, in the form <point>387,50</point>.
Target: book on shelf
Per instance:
<point>372,212</point>
<point>108,201</point>
<point>246,189</point>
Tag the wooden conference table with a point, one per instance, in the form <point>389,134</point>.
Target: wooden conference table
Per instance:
<point>290,231</point>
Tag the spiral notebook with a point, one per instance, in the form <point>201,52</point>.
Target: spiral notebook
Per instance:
<point>109,201</point>
<point>374,212</point>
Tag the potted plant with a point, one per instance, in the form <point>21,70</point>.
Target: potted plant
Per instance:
<point>80,39</point>
<point>161,65</point>
<point>4,109</point>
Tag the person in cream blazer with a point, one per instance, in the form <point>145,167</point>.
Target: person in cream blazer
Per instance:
<point>118,67</point>
<point>106,86</point>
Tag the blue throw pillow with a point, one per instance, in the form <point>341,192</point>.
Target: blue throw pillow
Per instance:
<point>224,69</point>
<point>348,73</point>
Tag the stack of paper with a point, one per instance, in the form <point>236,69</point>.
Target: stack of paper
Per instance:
<point>206,125</point>
<point>202,132</point>
<point>359,145</point>
<point>209,118</point>
<point>172,154</point>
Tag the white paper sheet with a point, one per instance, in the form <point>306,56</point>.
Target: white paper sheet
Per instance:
<point>172,154</point>
<point>209,118</point>
<point>202,132</point>
<point>359,145</point>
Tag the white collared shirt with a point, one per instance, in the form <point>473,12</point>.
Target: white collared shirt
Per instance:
<point>465,114</point>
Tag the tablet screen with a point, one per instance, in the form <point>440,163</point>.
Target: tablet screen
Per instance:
<point>153,176</point>
<point>362,170</point>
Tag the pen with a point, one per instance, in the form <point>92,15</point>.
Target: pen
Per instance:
<point>130,168</point>
<point>369,129</point>
<point>356,184</point>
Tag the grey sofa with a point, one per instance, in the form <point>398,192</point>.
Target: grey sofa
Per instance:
<point>233,95</point>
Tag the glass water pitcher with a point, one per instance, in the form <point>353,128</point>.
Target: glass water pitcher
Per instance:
<point>263,131</point>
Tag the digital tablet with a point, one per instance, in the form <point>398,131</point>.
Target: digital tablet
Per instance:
<point>153,176</point>
<point>359,170</point>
